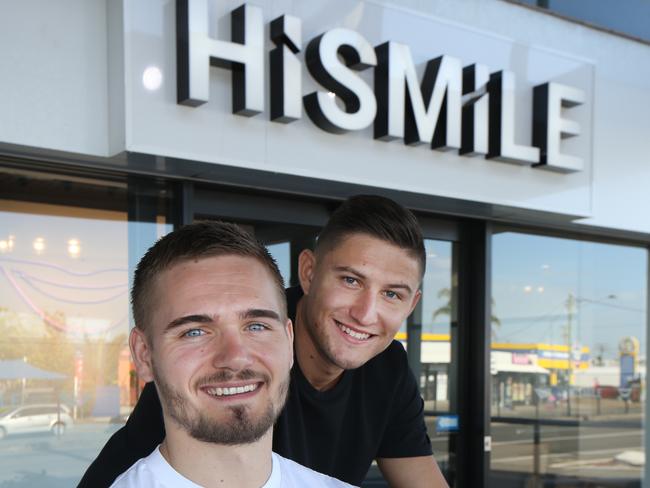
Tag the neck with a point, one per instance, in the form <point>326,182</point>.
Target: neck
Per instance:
<point>217,465</point>
<point>321,373</point>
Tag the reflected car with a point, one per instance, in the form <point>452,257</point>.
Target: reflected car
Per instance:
<point>27,419</point>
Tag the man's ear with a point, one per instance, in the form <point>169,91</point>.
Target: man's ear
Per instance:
<point>306,269</point>
<point>289,329</point>
<point>141,353</point>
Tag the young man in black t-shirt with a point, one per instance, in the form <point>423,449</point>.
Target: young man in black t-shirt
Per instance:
<point>352,397</point>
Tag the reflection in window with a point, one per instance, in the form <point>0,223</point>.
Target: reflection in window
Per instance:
<point>65,312</point>
<point>66,377</point>
<point>568,358</point>
<point>435,313</point>
<point>281,252</point>
<point>437,309</point>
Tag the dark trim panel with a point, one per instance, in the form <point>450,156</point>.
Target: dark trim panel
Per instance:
<point>474,382</point>
<point>273,208</point>
<point>279,183</point>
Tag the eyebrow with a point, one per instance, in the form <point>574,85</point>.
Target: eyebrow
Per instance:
<point>251,313</point>
<point>259,313</point>
<point>187,319</point>
<point>351,270</point>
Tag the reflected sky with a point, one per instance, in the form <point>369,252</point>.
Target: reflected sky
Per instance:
<point>67,272</point>
<point>533,277</point>
<point>436,287</point>
<point>281,252</point>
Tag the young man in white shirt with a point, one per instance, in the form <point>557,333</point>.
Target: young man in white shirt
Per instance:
<point>212,333</point>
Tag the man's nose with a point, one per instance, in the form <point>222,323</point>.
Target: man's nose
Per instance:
<point>364,308</point>
<point>232,352</point>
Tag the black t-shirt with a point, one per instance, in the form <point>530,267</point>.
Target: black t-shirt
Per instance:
<point>375,411</point>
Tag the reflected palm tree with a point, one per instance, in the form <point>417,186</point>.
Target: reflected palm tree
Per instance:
<point>446,309</point>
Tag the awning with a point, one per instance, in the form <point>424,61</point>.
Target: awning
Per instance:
<point>520,368</point>
<point>506,362</point>
<point>17,369</point>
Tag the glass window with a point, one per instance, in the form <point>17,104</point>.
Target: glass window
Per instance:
<point>568,360</point>
<point>281,252</point>
<point>432,319</point>
<point>64,320</point>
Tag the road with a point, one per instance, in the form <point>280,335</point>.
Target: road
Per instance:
<point>585,451</point>
<point>43,460</point>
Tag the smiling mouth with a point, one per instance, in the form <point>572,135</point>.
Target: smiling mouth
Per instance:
<point>232,390</point>
<point>360,336</point>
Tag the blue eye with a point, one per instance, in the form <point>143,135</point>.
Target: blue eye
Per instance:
<point>350,280</point>
<point>257,327</point>
<point>193,333</point>
<point>392,295</point>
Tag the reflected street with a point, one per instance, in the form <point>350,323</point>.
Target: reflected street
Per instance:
<point>49,461</point>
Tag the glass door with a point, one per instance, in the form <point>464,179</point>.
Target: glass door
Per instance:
<point>430,337</point>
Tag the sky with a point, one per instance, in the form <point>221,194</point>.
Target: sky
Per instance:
<point>533,277</point>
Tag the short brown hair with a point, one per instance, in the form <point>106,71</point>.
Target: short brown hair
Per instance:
<point>196,241</point>
<point>377,217</point>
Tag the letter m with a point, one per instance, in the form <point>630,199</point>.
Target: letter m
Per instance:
<point>429,113</point>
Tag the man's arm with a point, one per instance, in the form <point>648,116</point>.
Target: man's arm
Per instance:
<point>404,457</point>
<point>412,472</point>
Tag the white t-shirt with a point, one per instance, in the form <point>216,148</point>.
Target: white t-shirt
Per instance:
<point>155,472</point>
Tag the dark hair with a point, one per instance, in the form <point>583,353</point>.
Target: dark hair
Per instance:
<point>378,217</point>
<point>196,241</point>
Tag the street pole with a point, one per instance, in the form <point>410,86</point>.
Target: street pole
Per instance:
<point>570,304</point>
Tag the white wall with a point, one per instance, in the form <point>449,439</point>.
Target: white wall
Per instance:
<point>621,126</point>
<point>54,75</point>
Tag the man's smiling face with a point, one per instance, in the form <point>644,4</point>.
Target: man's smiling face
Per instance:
<point>357,295</point>
<point>219,348</point>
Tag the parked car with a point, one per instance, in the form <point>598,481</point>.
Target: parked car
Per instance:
<point>27,419</point>
<point>606,391</point>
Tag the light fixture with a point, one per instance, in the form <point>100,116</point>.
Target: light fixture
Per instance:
<point>152,78</point>
<point>540,289</point>
<point>74,248</point>
<point>39,245</point>
<point>528,289</point>
<point>7,245</point>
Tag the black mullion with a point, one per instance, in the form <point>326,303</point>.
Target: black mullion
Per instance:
<point>474,340</point>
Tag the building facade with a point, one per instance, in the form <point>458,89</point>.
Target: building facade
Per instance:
<point>520,140</point>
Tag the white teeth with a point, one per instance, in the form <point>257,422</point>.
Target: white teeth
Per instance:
<point>233,390</point>
<point>350,332</point>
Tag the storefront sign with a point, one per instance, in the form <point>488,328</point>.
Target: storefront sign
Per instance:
<point>467,109</point>
<point>521,359</point>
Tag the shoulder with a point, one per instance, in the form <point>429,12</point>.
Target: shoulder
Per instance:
<point>153,471</point>
<point>136,475</point>
<point>295,475</point>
